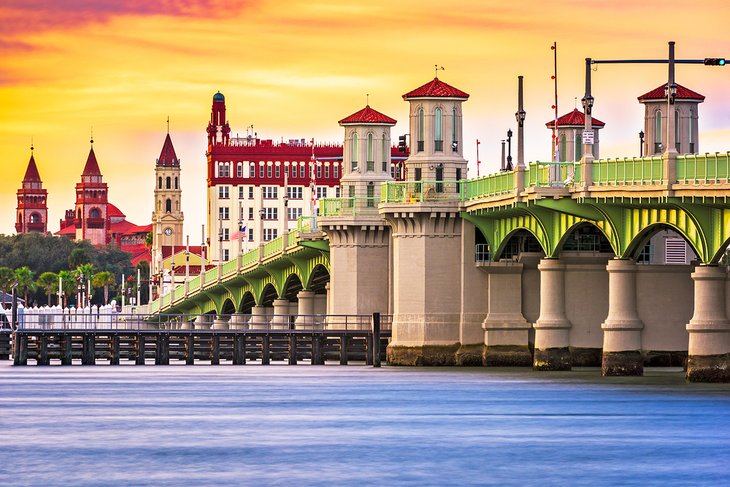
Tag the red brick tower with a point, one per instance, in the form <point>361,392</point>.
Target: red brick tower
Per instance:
<point>91,203</point>
<point>32,202</point>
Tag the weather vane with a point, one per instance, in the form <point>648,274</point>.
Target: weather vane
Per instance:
<point>168,124</point>
<point>367,99</point>
<point>436,69</point>
<point>92,134</point>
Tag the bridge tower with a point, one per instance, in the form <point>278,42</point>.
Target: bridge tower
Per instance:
<point>427,232</point>
<point>32,207</point>
<point>359,236</point>
<point>686,132</point>
<point>91,219</point>
<point>167,216</point>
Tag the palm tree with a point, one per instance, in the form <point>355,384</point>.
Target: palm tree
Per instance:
<point>83,274</point>
<point>48,281</point>
<point>68,285</point>
<point>24,278</point>
<point>104,279</point>
<point>7,278</point>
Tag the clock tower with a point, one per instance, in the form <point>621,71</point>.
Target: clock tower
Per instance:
<point>167,217</point>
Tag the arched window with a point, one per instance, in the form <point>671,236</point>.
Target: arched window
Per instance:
<point>354,152</point>
<point>168,205</point>
<point>175,182</point>
<point>385,153</point>
<point>454,141</point>
<point>690,131</point>
<point>35,218</point>
<point>167,183</point>
<point>78,214</point>
<point>438,131</point>
<point>562,148</point>
<point>578,147</point>
<point>371,159</point>
<point>676,131</point>
<point>421,124</point>
<point>159,182</point>
<point>95,213</point>
<point>657,131</point>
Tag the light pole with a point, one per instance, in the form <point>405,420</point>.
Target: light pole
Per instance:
<point>508,167</point>
<point>520,117</point>
<point>641,144</point>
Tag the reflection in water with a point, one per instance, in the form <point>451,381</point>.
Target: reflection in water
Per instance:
<point>353,425</point>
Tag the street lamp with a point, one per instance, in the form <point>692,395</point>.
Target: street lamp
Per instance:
<point>509,150</point>
<point>641,144</point>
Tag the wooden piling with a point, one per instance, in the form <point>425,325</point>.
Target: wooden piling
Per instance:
<point>215,349</point>
<point>316,349</point>
<point>265,353</point>
<point>20,343</point>
<point>88,349</point>
<point>239,349</point>
<point>67,351</point>
<point>190,349</point>
<point>343,349</point>
<point>139,350</point>
<point>43,350</point>
<point>114,352</point>
<point>376,340</point>
<point>162,348</point>
<point>292,349</point>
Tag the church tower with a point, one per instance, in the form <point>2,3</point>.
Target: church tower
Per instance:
<point>92,202</point>
<point>32,208</point>
<point>167,217</point>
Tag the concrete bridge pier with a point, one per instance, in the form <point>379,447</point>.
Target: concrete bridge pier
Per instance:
<point>202,323</point>
<point>258,318</point>
<point>552,329</point>
<point>622,327</point>
<point>280,321</point>
<point>305,311</point>
<point>219,323</point>
<point>506,331</point>
<point>709,329</point>
<point>238,321</point>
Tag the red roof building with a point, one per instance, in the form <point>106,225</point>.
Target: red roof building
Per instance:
<point>367,116</point>
<point>32,208</point>
<point>436,88</point>
<point>576,118</point>
<point>682,94</point>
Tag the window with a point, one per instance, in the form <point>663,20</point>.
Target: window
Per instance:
<point>438,132</point>
<point>421,123</point>
<point>271,192</point>
<point>676,131</point>
<point>302,172</point>
<point>95,213</point>
<point>270,234</point>
<point>417,177</point>
<point>176,183</point>
<point>252,170</point>
<point>336,171</point>
<point>354,153</point>
<point>371,195</point>
<point>268,171</point>
<point>222,212</point>
<point>261,170</point>
<point>321,192</point>
<point>370,158</point>
<point>240,192</point>
<point>239,170</point>
<point>458,178</point>
<point>385,153</point>
<point>294,192</point>
<point>319,171</point>
<point>337,192</point>
<point>250,234</point>
<point>278,171</point>
<point>454,139</point>
<point>327,171</point>
<point>293,213</point>
<point>168,205</point>
<point>159,182</point>
<point>578,147</point>
<point>439,178</point>
<point>690,131</point>
<point>351,191</point>
<point>657,131</point>
<point>562,149</point>
<point>675,251</point>
<point>223,170</point>
<point>271,214</point>
<point>225,254</point>
<point>226,235</point>
<point>167,182</point>
<point>223,192</point>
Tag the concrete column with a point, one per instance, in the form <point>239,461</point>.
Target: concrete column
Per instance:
<point>237,321</point>
<point>306,309</point>
<point>219,324</point>
<point>280,320</point>
<point>202,323</point>
<point>622,327</point>
<point>709,329</point>
<point>506,331</point>
<point>258,318</point>
<point>552,329</point>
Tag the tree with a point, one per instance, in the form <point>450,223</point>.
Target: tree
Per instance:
<point>148,240</point>
<point>83,274</point>
<point>104,279</point>
<point>68,285</point>
<point>48,281</point>
<point>24,278</point>
<point>77,257</point>
<point>7,278</point>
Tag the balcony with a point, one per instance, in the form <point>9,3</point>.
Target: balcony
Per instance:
<point>95,223</point>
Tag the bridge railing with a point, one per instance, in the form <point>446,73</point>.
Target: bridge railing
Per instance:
<point>703,168</point>
<point>249,257</point>
<point>274,246</point>
<point>347,206</point>
<point>628,171</point>
<point>421,191</point>
<point>491,185</point>
<point>307,224</point>
<point>552,174</point>
<point>211,275</point>
<point>229,267</point>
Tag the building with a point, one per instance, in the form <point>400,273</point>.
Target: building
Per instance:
<point>167,216</point>
<point>32,209</point>
<point>258,189</point>
<point>95,219</point>
<point>570,135</point>
<point>686,132</point>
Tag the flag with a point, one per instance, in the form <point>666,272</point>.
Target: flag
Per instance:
<point>241,232</point>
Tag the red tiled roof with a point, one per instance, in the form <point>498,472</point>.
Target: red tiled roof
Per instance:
<point>141,229</point>
<point>69,230</point>
<point>574,118</point>
<point>436,89</point>
<point>369,116</point>
<point>138,257</point>
<point>121,228</point>
<point>682,94</point>
<point>31,174</point>
<point>113,211</point>
<point>92,167</point>
<point>167,155</point>
<point>167,250</point>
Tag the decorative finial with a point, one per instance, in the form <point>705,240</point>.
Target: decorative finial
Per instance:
<point>576,103</point>
<point>92,135</point>
<point>367,99</point>
<point>31,143</point>
<point>436,69</point>
<point>168,125</point>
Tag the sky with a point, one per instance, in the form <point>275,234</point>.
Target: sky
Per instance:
<point>292,69</point>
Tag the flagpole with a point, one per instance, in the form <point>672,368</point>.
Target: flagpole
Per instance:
<point>478,161</point>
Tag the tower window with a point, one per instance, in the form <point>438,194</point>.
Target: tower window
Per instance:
<point>176,183</point>
<point>578,147</point>
<point>370,159</point>
<point>159,182</point>
<point>438,132</point>
<point>168,205</point>
<point>657,131</point>
<point>95,213</point>
<point>421,123</point>
<point>454,139</point>
<point>676,131</point>
<point>239,170</point>
<point>385,153</point>
<point>562,148</point>
<point>354,153</point>
<point>167,183</point>
<point>252,170</point>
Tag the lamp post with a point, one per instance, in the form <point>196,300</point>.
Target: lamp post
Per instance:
<point>501,167</point>
<point>187,258</point>
<point>508,167</point>
<point>641,144</point>
<point>520,117</point>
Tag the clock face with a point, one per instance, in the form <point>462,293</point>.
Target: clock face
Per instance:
<point>168,231</point>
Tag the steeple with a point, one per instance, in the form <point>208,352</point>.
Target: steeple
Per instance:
<point>91,209</point>
<point>32,209</point>
<point>91,169</point>
<point>167,216</point>
<point>31,173</point>
<point>218,128</point>
<point>168,157</point>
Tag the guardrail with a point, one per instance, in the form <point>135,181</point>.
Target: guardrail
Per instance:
<point>628,171</point>
<point>703,168</point>
<point>491,185</point>
<point>347,206</point>
<point>421,191</point>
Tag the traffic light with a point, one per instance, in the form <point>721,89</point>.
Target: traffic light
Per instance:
<point>402,143</point>
<point>714,61</point>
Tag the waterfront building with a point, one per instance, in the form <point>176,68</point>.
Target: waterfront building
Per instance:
<point>32,209</point>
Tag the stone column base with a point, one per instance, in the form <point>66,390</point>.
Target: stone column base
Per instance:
<point>507,356</point>
<point>424,355</point>
<point>708,368</point>
<point>586,357</point>
<point>626,363</point>
<point>470,355</point>
<point>553,359</point>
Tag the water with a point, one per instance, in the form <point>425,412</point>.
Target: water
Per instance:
<point>355,425</point>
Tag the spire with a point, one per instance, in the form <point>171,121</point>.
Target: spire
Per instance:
<point>167,155</point>
<point>31,174</point>
<point>92,167</point>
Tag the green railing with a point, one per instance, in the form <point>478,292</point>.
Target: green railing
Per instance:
<point>274,246</point>
<point>628,171</point>
<point>293,237</point>
<point>703,168</point>
<point>229,267</point>
<point>178,292</point>
<point>552,174</point>
<point>250,257</point>
<point>165,299</point>
<point>421,191</point>
<point>347,206</point>
<point>194,284</point>
<point>307,224</point>
<point>210,276</point>
<point>154,306</point>
<point>492,185</point>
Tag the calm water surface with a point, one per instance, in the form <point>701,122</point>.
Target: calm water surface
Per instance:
<point>355,425</point>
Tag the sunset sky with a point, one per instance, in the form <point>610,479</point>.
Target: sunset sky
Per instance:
<point>292,69</point>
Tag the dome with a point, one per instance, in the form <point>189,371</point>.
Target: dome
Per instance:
<point>219,97</point>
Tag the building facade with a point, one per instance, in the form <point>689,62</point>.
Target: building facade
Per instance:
<point>167,216</point>
<point>32,209</point>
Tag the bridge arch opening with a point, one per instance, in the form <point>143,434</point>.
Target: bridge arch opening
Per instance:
<point>585,237</point>
<point>481,246</point>
<point>228,307</point>
<point>268,295</point>
<point>318,280</point>
<point>662,244</point>
<point>292,286</point>
<point>247,303</point>
<point>520,241</point>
